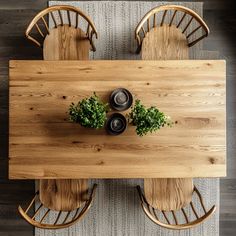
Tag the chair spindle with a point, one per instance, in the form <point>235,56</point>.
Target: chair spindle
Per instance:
<point>32,202</point>
<point>37,211</point>
<point>201,200</point>
<point>69,19</point>
<point>58,217</point>
<point>195,30</point>
<point>67,215</point>
<point>194,210</point>
<point>155,214</point>
<point>150,209</point>
<point>76,20</point>
<point>39,30</point>
<point>163,17</point>
<point>186,27</point>
<point>185,215</point>
<point>53,18</point>
<point>197,40</point>
<point>44,216</point>
<point>154,20</point>
<point>148,24</point>
<point>181,20</point>
<point>144,32</point>
<point>172,19</point>
<point>76,212</point>
<point>88,29</point>
<point>45,24</point>
<point>175,218</point>
<point>60,15</point>
<point>164,214</point>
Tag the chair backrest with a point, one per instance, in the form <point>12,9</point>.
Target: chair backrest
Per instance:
<point>149,21</point>
<point>63,220</point>
<point>56,14</point>
<point>156,215</point>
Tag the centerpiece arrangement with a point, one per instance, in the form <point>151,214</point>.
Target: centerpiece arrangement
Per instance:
<point>92,113</point>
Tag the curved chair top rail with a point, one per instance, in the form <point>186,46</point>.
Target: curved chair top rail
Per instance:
<point>166,8</point>
<point>91,30</point>
<point>64,220</point>
<point>152,213</point>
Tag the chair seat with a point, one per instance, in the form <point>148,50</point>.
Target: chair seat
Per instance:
<point>168,194</point>
<point>63,195</point>
<point>66,43</point>
<point>165,43</point>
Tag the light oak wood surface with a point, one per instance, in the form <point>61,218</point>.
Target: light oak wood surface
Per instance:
<point>168,194</point>
<point>66,43</point>
<point>44,144</point>
<point>63,195</point>
<point>165,43</point>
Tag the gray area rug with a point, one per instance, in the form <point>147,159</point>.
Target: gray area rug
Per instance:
<point>116,210</point>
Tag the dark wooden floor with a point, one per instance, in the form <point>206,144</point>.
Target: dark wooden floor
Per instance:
<point>14,17</point>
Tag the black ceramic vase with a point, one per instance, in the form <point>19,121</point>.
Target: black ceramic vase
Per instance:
<point>116,124</point>
<point>121,99</point>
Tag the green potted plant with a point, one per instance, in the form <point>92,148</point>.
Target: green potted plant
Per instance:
<point>147,119</point>
<point>89,112</point>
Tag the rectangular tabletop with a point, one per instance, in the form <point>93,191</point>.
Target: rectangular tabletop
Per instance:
<point>44,144</point>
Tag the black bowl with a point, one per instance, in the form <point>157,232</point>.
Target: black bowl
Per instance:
<point>121,99</point>
<point>116,124</point>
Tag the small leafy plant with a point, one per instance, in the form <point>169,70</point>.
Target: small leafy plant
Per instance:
<point>90,112</point>
<point>147,119</point>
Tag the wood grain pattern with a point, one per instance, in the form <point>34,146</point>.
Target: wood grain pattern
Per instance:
<point>63,195</point>
<point>43,144</point>
<point>168,194</point>
<point>66,43</point>
<point>165,43</point>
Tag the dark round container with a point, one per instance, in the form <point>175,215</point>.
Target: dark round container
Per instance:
<point>121,99</point>
<point>116,124</point>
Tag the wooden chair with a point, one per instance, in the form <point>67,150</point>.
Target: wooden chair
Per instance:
<point>172,222</point>
<point>169,40</point>
<point>68,213</point>
<point>65,41</point>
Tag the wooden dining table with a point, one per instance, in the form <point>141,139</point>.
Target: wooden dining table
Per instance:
<point>44,144</point>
